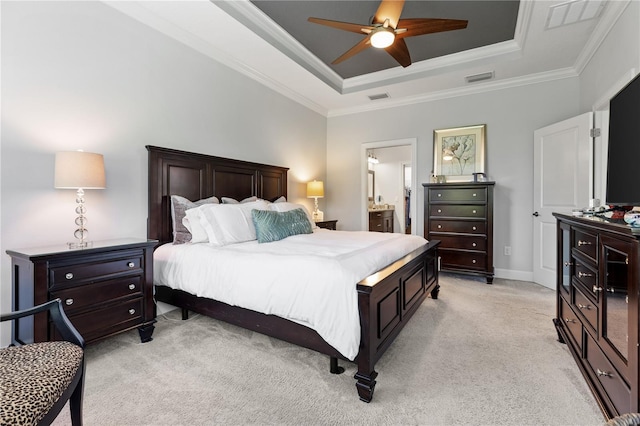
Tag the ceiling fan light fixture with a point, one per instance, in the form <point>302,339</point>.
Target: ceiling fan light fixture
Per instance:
<point>382,37</point>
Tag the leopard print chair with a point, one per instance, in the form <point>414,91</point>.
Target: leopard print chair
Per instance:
<point>37,379</point>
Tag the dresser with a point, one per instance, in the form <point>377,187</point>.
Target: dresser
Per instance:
<point>460,215</point>
<point>381,220</point>
<point>598,269</point>
<point>105,289</point>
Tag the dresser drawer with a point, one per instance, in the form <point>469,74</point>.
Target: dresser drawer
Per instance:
<point>586,307</point>
<point>462,259</point>
<point>108,319</point>
<point>455,210</point>
<point>62,276</point>
<point>467,227</point>
<point>463,242</point>
<point>459,194</point>
<point>81,296</point>
<point>571,322</point>
<point>612,383</point>
<point>587,276</point>
<point>586,244</point>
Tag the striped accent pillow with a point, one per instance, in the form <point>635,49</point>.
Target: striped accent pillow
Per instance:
<point>274,226</point>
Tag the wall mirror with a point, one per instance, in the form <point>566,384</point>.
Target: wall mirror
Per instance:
<point>371,185</point>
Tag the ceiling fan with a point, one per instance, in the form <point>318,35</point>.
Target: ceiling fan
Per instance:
<point>387,31</point>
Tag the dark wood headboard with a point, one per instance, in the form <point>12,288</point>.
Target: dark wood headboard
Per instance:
<point>195,176</point>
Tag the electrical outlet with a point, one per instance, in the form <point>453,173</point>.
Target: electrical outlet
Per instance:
<point>507,250</point>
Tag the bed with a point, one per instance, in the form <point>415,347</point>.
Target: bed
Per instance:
<point>385,300</point>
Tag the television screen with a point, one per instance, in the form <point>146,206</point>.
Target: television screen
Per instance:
<point>623,161</point>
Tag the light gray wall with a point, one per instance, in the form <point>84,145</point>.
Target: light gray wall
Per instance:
<point>81,75</point>
<point>511,117</point>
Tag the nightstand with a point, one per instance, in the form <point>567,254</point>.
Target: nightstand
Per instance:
<point>105,289</point>
<point>327,224</point>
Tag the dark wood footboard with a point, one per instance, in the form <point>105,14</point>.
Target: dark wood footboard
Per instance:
<point>387,299</point>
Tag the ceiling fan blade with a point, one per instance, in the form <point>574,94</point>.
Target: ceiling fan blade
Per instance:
<point>420,26</point>
<point>363,44</point>
<point>346,26</point>
<point>389,9</point>
<point>400,52</point>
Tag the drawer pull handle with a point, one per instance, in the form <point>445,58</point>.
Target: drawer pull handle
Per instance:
<point>439,211</point>
<point>439,195</point>
<point>68,302</point>
<point>439,226</point>
<point>603,373</point>
<point>568,263</point>
<point>379,225</point>
<point>132,286</point>
<point>474,228</point>
<point>131,264</point>
<point>596,289</point>
<point>132,311</point>
<point>474,194</point>
<point>587,307</point>
<point>569,320</point>
<point>584,274</point>
<point>69,275</point>
<point>584,243</point>
<point>474,211</point>
<point>473,261</point>
<point>473,245</point>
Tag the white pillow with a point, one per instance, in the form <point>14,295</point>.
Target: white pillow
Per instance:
<point>229,223</point>
<point>191,221</point>
<point>287,206</point>
<point>227,200</point>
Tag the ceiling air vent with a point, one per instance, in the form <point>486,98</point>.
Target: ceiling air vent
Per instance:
<point>479,77</point>
<point>378,96</point>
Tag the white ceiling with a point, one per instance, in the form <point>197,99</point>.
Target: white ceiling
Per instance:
<point>535,54</point>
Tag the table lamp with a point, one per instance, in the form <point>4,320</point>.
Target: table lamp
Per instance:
<point>315,190</point>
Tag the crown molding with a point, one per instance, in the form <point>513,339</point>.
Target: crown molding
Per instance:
<point>610,16</point>
<point>464,91</point>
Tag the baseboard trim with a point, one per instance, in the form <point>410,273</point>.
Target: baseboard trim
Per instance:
<point>510,274</point>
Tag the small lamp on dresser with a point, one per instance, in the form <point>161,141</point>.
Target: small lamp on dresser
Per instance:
<point>315,190</point>
<point>79,170</point>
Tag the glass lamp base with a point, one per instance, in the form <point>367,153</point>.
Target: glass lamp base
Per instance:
<point>80,244</point>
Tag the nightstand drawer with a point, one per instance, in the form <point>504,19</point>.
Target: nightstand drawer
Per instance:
<point>71,274</point>
<point>109,319</point>
<point>462,194</point>
<point>454,210</point>
<point>468,227</point>
<point>81,296</point>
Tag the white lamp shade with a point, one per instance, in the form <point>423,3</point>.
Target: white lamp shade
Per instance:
<point>78,169</point>
<point>315,189</point>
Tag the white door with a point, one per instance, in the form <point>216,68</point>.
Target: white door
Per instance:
<point>562,181</point>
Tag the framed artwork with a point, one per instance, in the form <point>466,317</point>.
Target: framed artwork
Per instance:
<point>458,153</point>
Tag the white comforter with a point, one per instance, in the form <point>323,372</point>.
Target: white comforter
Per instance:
<point>310,279</point>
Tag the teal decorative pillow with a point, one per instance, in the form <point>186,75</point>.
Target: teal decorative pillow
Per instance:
<point>274,226</point>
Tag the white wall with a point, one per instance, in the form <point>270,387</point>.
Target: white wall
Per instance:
<point>81,75</point>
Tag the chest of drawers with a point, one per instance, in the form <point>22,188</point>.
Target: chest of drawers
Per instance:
<point>460,215</point>
<point>105,289</point>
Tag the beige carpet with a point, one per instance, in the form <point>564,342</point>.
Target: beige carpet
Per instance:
<point>479,355</point>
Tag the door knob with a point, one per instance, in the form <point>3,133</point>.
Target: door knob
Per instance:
<point>536,214</point>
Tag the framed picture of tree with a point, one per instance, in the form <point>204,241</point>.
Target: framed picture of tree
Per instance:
<point>458,152</point>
